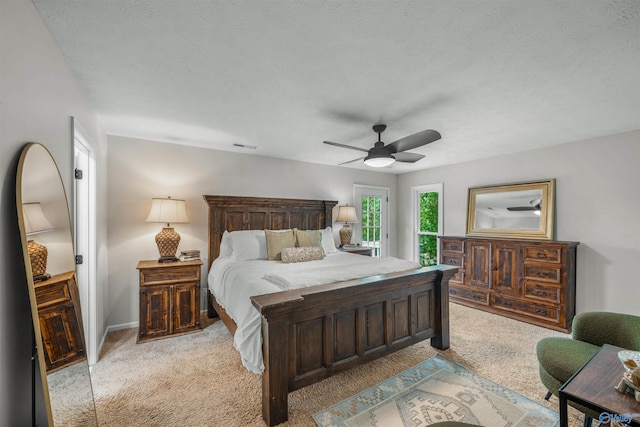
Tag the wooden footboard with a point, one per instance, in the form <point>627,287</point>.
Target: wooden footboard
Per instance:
<point>313,333</point>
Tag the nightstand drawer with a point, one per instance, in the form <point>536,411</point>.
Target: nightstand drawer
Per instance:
<point>52,294</point>
<point>173,274</point>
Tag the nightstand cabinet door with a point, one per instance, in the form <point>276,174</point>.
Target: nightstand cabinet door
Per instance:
<point>61,336</point>
<point>154,311</point>
<point>186,313</point>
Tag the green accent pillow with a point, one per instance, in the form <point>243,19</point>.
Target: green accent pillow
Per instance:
<point>307,239</point>
<point>278,240</point>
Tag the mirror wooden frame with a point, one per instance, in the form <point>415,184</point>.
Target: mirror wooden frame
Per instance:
<point>546,207</point>
<point>62,406</point>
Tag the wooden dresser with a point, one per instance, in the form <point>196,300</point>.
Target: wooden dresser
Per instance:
<point>60,320</point>
<point>169,298</point>
<point>529,280</point>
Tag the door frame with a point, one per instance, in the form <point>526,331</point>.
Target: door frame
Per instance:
<point>87,238</point>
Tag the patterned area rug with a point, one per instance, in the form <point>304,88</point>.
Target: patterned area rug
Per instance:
<point>433,391</point>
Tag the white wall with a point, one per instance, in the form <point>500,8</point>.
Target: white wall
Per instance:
<point>597,204</point>
<point>38,96</point>
<point>139,170</point>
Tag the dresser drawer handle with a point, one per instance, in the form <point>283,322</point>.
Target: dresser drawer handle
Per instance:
<point>452,291</point>
<point>541,293</point>
<point>541,255</point>
<point>541,274</point>
<point>541,311</point>
<point>505,303</point>
<point>453,261</point>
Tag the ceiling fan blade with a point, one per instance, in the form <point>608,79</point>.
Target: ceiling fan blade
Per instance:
<point>414,141</point>
<point>350,161</point>
<point>522,208</point>
<point>408,157</point>
<point>346,146</point>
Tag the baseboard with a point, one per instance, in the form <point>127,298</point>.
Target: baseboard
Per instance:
<point>114,328</point>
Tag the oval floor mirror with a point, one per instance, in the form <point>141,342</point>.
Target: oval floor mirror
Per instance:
<point>49,259</point>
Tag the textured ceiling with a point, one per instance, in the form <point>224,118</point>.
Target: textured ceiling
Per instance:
<point>492,77</point>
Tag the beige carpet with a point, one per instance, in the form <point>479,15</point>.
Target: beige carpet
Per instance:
<point>198,380</point>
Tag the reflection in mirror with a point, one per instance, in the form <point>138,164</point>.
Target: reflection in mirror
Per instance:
<point>522,210</point>
<point>49,259</point>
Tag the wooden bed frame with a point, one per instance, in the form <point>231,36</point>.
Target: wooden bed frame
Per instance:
<point>313,333</point>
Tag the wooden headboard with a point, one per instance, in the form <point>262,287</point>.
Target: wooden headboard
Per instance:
<point>233,213</point>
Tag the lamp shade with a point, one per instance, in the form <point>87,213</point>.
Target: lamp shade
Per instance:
<point>347,214</point>
<point>168,210</point>
<point>34,220</point>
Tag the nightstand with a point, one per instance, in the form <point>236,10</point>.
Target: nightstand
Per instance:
<point>358,250</point>
<point>169,298</point>
<point>59,312</point>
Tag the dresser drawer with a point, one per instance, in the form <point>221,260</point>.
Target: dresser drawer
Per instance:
<point>541,291</point>
<point>173,274</point>
<point>52,294</point>
<point>452,245</point>
<point>543,272</point>
<point>477,297</point>
<point>528,308</point>
<point>543,253</point>
<point>455,260</point>
<point>458,277</point>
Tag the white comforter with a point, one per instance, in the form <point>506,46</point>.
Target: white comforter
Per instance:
<point>234,282</point>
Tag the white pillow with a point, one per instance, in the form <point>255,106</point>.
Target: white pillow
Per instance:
<point>225,245</point>
<point>248,245</point>
<point>328,244</point>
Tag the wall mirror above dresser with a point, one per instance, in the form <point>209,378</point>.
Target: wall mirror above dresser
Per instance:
<point>523,210</point>
<point>49,259</point>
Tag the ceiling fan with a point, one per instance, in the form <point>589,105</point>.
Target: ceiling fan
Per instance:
<point>534,206</point>
<point>382,155</point>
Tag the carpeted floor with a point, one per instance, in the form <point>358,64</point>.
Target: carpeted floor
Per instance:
<point>198,379</point>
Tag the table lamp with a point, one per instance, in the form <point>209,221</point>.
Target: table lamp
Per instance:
<point>346,214</point>
<point>35,223</point>
<point>168,211</point>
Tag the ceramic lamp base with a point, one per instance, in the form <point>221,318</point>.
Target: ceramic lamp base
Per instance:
<point>345,235</point>
<point>167,240</point>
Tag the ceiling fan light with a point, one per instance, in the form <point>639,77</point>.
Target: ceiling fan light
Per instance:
<point>379,161</point>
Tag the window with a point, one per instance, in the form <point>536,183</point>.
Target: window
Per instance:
<point>428,224</point>
<point>371,207</point>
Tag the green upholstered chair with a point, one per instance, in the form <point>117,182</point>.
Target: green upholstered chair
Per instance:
<point>559,358</point>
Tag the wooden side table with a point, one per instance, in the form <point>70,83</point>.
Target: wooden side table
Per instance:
<point>60,320</point>
<point>593,387</point>
<point>169,298</point>
<point>359,250</point>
